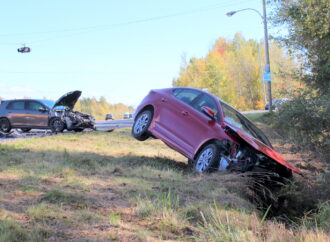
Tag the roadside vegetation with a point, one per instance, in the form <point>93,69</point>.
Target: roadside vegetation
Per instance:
<point>106,186</point>
<point>304,122</point>
<point>232,71</point>
<point>99,108</point>
<point>306,118</point>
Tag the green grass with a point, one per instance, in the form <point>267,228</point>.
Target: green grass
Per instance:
<point>11,231</point>
<point>59,197</point>
<point>99,186</point>
<point>255,116</point>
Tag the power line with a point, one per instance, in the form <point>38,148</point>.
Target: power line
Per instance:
<point>85,30</point>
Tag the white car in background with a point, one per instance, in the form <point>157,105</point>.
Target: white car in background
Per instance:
<point>277,103</point>
<point>128,116</point>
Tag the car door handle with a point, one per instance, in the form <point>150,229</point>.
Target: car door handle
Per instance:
<point>164,100</point>
<point>185,113</point>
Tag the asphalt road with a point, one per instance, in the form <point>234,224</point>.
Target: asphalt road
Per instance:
<point>255,111</point>
<point>113,124</point>
<point>99,125</point>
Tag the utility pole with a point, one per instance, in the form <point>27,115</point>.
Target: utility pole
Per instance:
<point>267,67</point>
<point>267,74</point>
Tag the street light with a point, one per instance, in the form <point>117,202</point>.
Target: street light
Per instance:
<point>266,76</point>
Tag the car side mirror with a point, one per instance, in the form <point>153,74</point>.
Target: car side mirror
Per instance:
<point>42,110</point>
<point>209,112</point>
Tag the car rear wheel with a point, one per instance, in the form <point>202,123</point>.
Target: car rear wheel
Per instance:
<point>5,125</point>
<point>25,130</point>
<point>207,159</point>
<point>141,125</point>
<point>57,125</point>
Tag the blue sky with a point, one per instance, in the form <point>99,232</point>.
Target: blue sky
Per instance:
<point>116,49</point>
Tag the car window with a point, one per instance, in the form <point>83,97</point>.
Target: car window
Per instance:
<point>230,115</point>
<point>31,105</point>
<point>48,103</point>
<point>186,95</point>
<point>237,119</point>
<point>16,105</point>
<point>206,100</point>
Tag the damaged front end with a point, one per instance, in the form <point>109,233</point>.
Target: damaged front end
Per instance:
<point>252,155</point>
<point>62,115</point>
<point>243,158</point>
<point>74,120</point>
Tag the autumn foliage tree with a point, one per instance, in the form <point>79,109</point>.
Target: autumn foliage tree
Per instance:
<point>308,23</point>
<point>232,70</point>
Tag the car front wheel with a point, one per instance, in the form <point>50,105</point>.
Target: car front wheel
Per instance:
<point>57,125</point>
<point>5,125</point>
<point>207,159</point>
<point>141,125</point>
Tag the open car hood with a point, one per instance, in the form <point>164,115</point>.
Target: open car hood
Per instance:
<point>68,100</point>
<point>261,147</point>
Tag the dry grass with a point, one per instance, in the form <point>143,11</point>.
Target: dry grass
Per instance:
<point>107,186</point>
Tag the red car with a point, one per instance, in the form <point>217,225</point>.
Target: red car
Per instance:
<point>208,131</point>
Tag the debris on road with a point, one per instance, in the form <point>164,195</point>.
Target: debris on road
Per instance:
<point>107,126</point>
<point>5,135</point>
<point>17,134</point>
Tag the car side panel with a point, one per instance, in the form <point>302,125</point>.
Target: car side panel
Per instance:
<point>15,116</point>
<point>172,123</point>
<point>36,118</point>
<point>156,99</point>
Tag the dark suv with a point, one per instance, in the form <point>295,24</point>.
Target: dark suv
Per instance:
<point>28,114</point>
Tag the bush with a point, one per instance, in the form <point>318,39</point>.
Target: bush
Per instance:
<point>306,120</point>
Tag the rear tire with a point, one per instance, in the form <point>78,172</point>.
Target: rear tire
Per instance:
<point>5,126</point>
<point>57,125</point>
<point>207,159</point>
<point>141,125</point>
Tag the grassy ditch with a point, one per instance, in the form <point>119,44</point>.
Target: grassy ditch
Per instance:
<point>106,186</point>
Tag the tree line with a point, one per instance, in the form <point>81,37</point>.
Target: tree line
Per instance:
<point>232,70</point>
<point>99,108</point>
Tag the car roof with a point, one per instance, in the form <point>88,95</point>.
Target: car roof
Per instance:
<point>26,99</point>
<point>43,101</point>
<point>203,91</point>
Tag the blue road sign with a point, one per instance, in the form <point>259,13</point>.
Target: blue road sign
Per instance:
<point>266,77</point>
<point>267,69</point>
